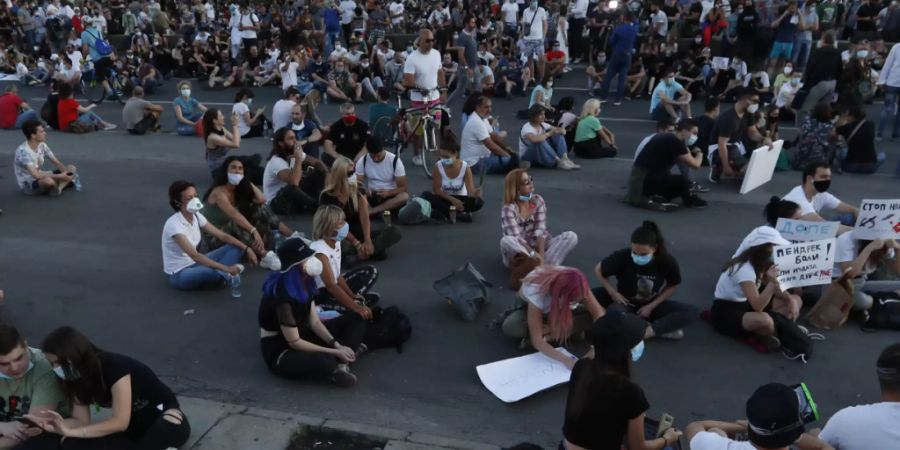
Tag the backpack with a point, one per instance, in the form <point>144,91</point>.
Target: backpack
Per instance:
<point>795,343</point>
<point>101,45</point>
<point>389,327</point>
<point>885,312</point>
<point>416,211</point>
<point>77,127</point>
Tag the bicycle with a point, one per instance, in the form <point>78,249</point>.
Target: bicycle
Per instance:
<point>396,137</point>
<point>93,89</point>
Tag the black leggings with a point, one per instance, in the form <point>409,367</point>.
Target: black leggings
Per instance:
<point>667,186</point>
<point>161,435</point>
<point>440,207</point>
<point>256,130</point>
<point>285,362</point>
<point>593,149</point>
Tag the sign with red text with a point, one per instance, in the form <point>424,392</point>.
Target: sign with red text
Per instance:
<point>878,219</point>
<point>805,263</point>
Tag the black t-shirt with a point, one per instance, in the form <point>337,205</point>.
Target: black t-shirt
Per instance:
<point>696,8</point>
<point>351,214</point>
<point>706,128</point>
<point>608,401</point>
<point>641,284</point>
<point>660,153</point>
<point>731,126</point>
<point>349,139</point>
<point>147,391</point>
<point>282,310</point>
<point>746,24</point>
<point>860,149</point>
<point>869,10</point>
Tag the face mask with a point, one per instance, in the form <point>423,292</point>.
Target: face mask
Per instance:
<point>698,40</point>
<point>337,46</point>
<point>350,120</point>
<point>526,198</point>
<point>795,81</point>
<point>351,180</point>
<point>822,186</point>
<point>641,260</point>
<point>752,108</point>
<point>185,92</point>
<point>549,84</point>
<point>534,5</point>
<point>4,376</point>
<point>312,266</point>
<point>342,232</point>
<point>194,205</point>
<point>447,161</point>
<point>61,374</point>
<point>788,70</point>
<point>637,352</point>
<point>670,82</point>
<point>235,178</point>
<point>691,140</point>
<point>248,101</point>
<point>761,123</point>
<point>862,54</point>
<point>364,65</point>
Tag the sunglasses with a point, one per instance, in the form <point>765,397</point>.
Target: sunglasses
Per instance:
<point>528,181</point>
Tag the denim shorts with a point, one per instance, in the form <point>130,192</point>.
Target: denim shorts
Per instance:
<point>533,47</point>
<point>782,50</point>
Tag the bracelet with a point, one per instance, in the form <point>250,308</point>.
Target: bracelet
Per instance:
<point>332,342</point>
<point>246,247</point>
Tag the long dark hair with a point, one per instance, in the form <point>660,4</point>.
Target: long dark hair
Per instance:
<point>209,117</point>
<point>778,209</point>
<point>80,361</point>
<point>759,257</point>
<point>277,148</point>
<point>648,234</point>
<point>580,392</point>
<point>243,192</point>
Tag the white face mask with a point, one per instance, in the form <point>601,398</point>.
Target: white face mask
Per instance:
<point>312,266</point>
<point>235,178</point>
<point>752,108</point>
<point>185,92</point>
<point>248,101</point>
<point>352,180</point>
<point>788,70</point>
<point>194,205</point>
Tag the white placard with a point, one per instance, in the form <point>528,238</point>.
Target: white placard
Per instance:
<point>720,63</point>
<point>806,230</point>
<point>805,263</point>
<point>513,379</point>
<point>761,166</point>
<point>878,219</point>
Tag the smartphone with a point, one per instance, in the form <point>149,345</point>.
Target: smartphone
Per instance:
<point>665,422</point>
<point>809,411</point>
<point>26,421</point>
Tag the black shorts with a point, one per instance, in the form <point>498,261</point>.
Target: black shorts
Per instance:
<point>145,125</point>
<point>101,66</point>
<point>727,318</point>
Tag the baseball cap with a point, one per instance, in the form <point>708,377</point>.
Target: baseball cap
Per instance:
<point>616,333</point>
<point>773,413</point>
<point>760,236</point>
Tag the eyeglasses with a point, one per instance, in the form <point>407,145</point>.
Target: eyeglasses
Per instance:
<point>528,181</point>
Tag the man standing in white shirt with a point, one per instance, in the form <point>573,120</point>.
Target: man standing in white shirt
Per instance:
<point>396,11</point>
<point>423,75</point>
<point>534,21</point>
<point>659,22</point>
<point>347,9</point>
<point>248,25</point>
<point>510,13</point>
<point>813,196</point>
<point>868,427</point>
<point>889,80</point>
<point>576,25</point>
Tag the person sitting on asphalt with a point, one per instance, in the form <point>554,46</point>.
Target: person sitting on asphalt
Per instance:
<point>604,407</point>
<point>452,184</point>
<point>879,420</point>
<point>145,412</point>
<point>346,137</point>
<point>27,387</point>
<point>647,277</point>
<point>774,422</point>
<point>348,292</point>
<point>218,139</point>
<point>813,196</point>
<point>249,125</point>
<point>651,183</point>
<point>237,207</point>
<point>29,159</point>
<point>282,111</point>
<point>859,155</point>
<point>188,110</point>
<point>481,147</point>
<point>669,95</point>
<point>139,115</point>
<point>727,155</point>
<point>861,260</point>
<point>523,220</point>
<point>307,132</point>
<point>13,110</point>
<point>295,342</point>
<point>542,94</point>
<point>70,111</point>
<point>187,268</point>
<point>544,145</point>
<point>593,140</point>
<point>287,184</point>
<point>748,289</point>
<point>383,177</point>
<point>555,304</point>
<point>816,139</point>
<point>342,190</point>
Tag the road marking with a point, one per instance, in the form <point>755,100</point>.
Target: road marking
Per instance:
<point>165,102</point>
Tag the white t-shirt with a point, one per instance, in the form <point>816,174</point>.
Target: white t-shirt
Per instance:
<point>337,53</point>
<point>248,20</point>
<point>846,250</point>
<point>762,76</point>
<point>786,94</point>
<point>380,175</point>
<point>662,21</point>
<point>174,258</point>
<point>706,440</point>
<point>394,9</point>
<point>729,285</point>
<point>864,427</point>
<point>820,201</point>
<point>281,113</point>
<point>271,183</point>
<point>77,59</point>
<point>289,76</point>
<point>510,12</point>
<point>348,7</point>
<point>334,258</point>
<point>529,292</point>
<point>425,67</point>
<point>536,31</point>
<point>240,108</point>
<point>472,149</point>
<point>527,129</point>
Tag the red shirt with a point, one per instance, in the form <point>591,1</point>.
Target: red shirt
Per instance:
<point>77,25</point>
<point>555,54</point>
<point>68,113</point>
<point>9,109</point>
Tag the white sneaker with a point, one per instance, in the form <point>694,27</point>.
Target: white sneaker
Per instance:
<point>270,261</point>
<point>110,127</point>
<point>675,335</point>
<point>418,161</point>
<point>565,164</point>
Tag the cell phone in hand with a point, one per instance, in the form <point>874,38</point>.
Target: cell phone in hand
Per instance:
<point>26,421</point>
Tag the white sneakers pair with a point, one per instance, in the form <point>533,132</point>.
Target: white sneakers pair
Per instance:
<point>567,164</point>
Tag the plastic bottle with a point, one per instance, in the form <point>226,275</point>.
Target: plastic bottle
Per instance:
<point>236,286</point>
<point>77,182</point>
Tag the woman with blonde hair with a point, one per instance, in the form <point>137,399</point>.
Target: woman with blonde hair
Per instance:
<point>590,135</point>
<point>523,220</point>
<point>342,191</point>
<point>309,104</point>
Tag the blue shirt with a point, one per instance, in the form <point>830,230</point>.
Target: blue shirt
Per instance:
<point>332,20</point>
<point>623,37</point>
<point>190,108</point>
<point>670,92</point>
<point>89,37</point>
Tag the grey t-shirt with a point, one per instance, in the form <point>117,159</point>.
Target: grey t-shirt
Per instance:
<point>134,111</point>
<point>470,47</point>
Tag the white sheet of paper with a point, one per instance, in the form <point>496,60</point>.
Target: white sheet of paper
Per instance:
<point>806,230</point>
<point>805,263</point>
<point>513,379</point>
<point>761,166</point>
<point>720,62</point>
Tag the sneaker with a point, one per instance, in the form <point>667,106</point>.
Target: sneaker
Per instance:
<point>270,261</point>
<point>617,103</point>
<point>676,335</point>
<point>109,127</point>
<point>771,343</point>
<point>464,217</point>
<point>418,161</point>
<point>343,377</point>
<point>566,164</point>
<point>661,206</point>
<point>715,174</point>
<point>698,188</point>
<point>361,350</point>
<point>524,165</point>
<point>695,202</point>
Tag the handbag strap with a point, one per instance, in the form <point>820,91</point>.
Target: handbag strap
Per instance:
<point>853,133</point>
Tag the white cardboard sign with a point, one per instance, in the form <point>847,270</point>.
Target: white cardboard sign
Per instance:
<point>513,379</point>
<point>805,263</point>
<point>806,230</point>
<point>878,219</point>
<point>761,166</point>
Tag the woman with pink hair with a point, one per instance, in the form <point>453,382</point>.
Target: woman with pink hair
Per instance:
<point>556,303</point>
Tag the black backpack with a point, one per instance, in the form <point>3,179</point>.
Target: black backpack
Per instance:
<point>885,312</point>
<point>389,328</point>
<point>795,343</point>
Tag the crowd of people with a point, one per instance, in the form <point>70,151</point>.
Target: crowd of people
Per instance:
<point>318,301</point>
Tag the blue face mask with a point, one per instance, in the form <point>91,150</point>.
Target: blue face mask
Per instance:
<point>447,161</point>
<point>61,373</point>
<point>641,260</point>
<point>526,198</point>
<point>342,232</point>
<point>4,376</point>
<point>637,352</point>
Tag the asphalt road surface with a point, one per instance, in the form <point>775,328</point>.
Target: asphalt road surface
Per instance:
<point>92,259</point>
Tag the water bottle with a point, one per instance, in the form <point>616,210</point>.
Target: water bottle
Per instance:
<point>236,286</point>
<point>77,182</point>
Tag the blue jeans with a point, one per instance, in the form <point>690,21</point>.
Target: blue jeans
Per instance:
<point>492,164</point>
<point>545,154</point>
<point>26,116</point>
<point>860,167</point>
<point>891,97</point>
<point>184,129</point>
<point>196,276</point>
<point>618,65</point>
<point>149,86</point>
<point>89,118</point>
<point>802,48</point>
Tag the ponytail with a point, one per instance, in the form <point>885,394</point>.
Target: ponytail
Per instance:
<point>649,234</point>
<point>778,209</point>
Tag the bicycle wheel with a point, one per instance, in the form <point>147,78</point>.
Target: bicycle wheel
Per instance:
<point>430,154</point>
<point>122,88</point>
<point>93,90</point>
<point>383,131</point>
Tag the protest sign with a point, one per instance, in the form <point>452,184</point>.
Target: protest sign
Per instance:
<point>805,263</point>
<point>720,63</point>
<point>513,379</point>
<point>878,219</point>
<point>806,230</point>
<point>761,166</point>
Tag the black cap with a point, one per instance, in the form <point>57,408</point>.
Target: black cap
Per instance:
<point>616,333</point>
<point>773,413</point>
<point>888,364</point>
<point>292,252</point>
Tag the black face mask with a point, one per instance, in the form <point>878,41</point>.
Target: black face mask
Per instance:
<point>822,185</point>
